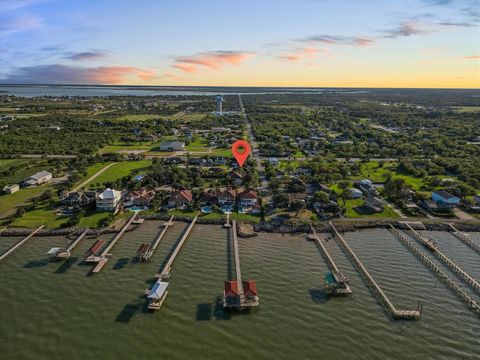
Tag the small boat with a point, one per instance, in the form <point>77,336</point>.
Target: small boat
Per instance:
<point>156,295</point>
<point>58,253</point>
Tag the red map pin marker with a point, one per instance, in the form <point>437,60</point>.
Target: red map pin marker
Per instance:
<point>241,156</point>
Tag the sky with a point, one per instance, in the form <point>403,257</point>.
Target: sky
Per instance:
<point>330,43</point>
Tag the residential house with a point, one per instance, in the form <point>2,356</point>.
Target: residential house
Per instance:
<point>77,198</point>
<point>273,161</point>
<point>141,197</point>
<point>302,171</point>
<point>11,188</point>
<point>109,200</point>
<point>180,199</point>
<point>374,203</point>
<point>39,178</point>
<point>445,199</point>
<point>476,199</point>
<point>367,187</point>
<point>208,198</point>
<point>355,193</point>
<point>248,199</point>
<point>236,177</point>
<point>172,146</point>
<point>227,197</point>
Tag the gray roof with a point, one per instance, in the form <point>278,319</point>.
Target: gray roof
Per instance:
<point>40,175</point>
<point>158,289</point>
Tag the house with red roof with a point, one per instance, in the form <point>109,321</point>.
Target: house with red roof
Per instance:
<point>180,199</point>
<point>250,290</point>
<point>227,197</point>
<point>248,201</point>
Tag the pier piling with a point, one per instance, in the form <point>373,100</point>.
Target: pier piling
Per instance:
<point>465,239</point>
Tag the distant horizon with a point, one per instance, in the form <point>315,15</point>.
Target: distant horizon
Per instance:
<point>239,86</point>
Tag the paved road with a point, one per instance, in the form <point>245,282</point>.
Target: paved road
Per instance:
<point>37,156</point>
<point>254,145</point>
<point>89,180</point>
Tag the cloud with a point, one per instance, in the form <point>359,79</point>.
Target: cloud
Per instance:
<point>87,55</point>
<point>471,57</point>
<point>412,27</point>
<point>9,5</point>
<point>63,74</point>
<point>17,23</point>
<point>214,60</point>
<point>337,40</point>
<point>300,54</point>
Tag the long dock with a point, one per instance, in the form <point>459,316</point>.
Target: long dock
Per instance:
<point>338,275</point>
<point>396,314</point>
<point>465,239</point>
<point>146,250</point>
<point>238,271</point>
<point>18,244</point>
<point>436,270</point>
<point>165,273</point>
<point>102,259</point>
<point>76,241</point>
<point>475,285</point>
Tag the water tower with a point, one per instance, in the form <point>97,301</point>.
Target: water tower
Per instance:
<point>219,101</point>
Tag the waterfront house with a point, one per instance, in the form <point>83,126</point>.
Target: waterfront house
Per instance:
<point>180,199</point>
<point>248,199</point>
<point>444,199</point>
<point>208,198</point>
<point>172,146</point>
<point>77,198</point>
<point>227,197</point>
<point>11,188</point>
<point>141,197</point>
<point>109,200</point>
<point>39,178</point>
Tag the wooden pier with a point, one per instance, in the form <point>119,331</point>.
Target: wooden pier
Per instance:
<point>18,244</point>
<point>475,306</point>
<point>240,298</point>
<point>475,285</point>
<point>60,253</point>
<point>102,259</point>
<point>465,239</point>
<point>343,288</point>
<point>165,273</point>
<point>146,252</point>
<point>382,297</point>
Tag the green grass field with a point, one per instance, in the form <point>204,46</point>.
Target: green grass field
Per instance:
<point>467,108</point>
<point>355,209</point>
<point>119,146</point>
<point>30,167</point>
<point>9,202</point>
<point>5,164</point>
<point>120,170</point>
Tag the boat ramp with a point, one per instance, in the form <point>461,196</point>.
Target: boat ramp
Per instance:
<point>382,297</point>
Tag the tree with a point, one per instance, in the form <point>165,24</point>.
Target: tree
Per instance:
<point>297,205</point>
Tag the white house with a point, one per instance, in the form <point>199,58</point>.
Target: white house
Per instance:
<point>39,178</point>
<point>172,146</point>
<point>109,200</point>
<point>11,189</point>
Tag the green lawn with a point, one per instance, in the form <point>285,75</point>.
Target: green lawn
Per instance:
<point>140,145</point>
<point>200,144</point>
<point>222,152</point>
<point>5,164</point>
<point>467,108</point>
<point>120,170</point>
<point>30,167</point>
<point>9,202</point>
<point>355,209</point>
<point>41,216</point>
<point>215,215</point>
<point>138,117</point>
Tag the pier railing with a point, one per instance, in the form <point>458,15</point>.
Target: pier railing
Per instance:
<point>436,270</point>
<point>465,239</point>
<point>18,244</point>
<point>445,260</point>
<point>382,297</point>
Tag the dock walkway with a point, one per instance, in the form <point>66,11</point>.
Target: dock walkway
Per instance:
<point>102,259</point>
<point>146,253</point>
<point>18,244</point>
<point>76,241</point>
<point>436,270</point>
<point>238,271</point>
<point>475,285</point>
<point>465,239</point>
<point>330,263</point>
<point>396,314</point>
<point>165,273</point>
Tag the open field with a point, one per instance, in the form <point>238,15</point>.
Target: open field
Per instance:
<point>467,108</point>
<point>177,116</point>
<point>119,146</point>
<point>120,170</point>
<point>5,164</point>
<point>9,202</point>
<point>31,167</point>
<point>355,209</point>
